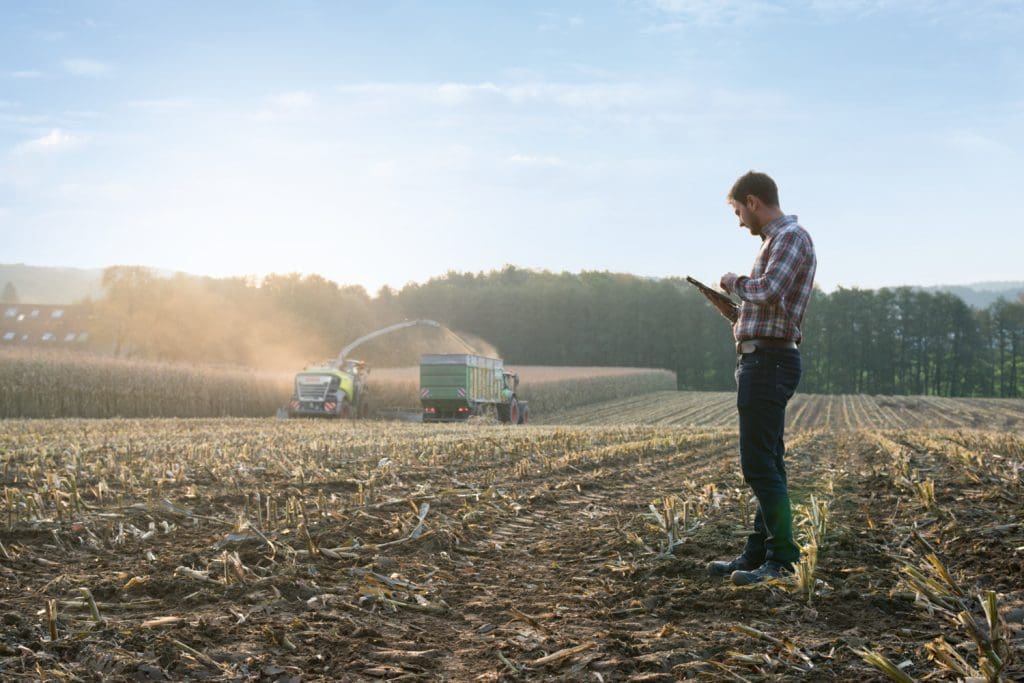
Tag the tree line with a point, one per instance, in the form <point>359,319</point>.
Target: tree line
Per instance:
<point>887,341</point>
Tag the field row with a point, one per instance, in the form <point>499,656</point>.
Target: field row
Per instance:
<point>805,411</point>
<point>265,549</point>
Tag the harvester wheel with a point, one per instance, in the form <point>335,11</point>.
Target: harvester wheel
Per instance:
<point>364,409</point>
<point>344,409</point>
<point>513,412</point>
<point>524,415</point>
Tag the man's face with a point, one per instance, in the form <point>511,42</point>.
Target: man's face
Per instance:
<point>748,219</point>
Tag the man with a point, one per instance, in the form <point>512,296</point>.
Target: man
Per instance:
<point>773,300</point>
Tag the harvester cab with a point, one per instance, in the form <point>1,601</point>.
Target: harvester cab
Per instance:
<point>356,368</point>
<point>328,390</point>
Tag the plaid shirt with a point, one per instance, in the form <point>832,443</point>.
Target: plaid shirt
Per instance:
<point>775,295</point>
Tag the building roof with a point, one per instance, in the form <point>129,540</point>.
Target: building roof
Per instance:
<point>44,324</point>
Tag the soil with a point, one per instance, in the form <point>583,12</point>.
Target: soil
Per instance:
<point>403,558</point>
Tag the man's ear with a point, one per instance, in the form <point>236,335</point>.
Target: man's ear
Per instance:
<point>753,202</point>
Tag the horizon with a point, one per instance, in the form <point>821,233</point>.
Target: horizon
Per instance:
<point>992,286</point>
<point>570,137</point>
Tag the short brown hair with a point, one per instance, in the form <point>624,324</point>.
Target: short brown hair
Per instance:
<point>758,184</point>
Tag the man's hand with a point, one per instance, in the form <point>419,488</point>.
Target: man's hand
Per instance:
<point>723,303</point>
<point>729,311</point>
<point>728,281</point>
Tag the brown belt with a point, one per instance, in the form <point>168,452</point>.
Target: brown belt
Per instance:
<point>751,345</point>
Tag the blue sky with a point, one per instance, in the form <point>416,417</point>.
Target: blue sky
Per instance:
<point>384,142</point>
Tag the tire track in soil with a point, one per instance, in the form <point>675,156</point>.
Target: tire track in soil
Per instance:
<point>889,419</point>
<point>545,579</point>
<point>841,412</point>
<point>683,412</point>
<point>720,413</point>
<point>552,561</point>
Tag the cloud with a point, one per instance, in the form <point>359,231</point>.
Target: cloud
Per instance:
<point>586,95</point>
<point>382,169</point>
<point>55,141</point>
<point>86,67</point>
<point>530,160</point>
<point>667,27</point>
<point>459,93</point>
<point>82,114</point>
<point>847,6</point>
<point>972,142</point>
<point>552,21</point>
<point>50,36</point>
<point>285,105</point>
<point>161,105</point>
<point>26,74</point>
<point>687,13</point>
<point>716,12</point>
<point>599,95</point>
<point>299,99</point>
<point>111,191</point>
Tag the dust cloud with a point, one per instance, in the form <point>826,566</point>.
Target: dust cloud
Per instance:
<point>404,347</point>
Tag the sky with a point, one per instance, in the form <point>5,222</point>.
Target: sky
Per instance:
<point>390,141</point>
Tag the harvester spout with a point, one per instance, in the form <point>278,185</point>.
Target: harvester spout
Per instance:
<point>385,330</point>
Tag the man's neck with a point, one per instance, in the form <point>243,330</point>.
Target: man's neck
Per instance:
<point>772,213</point>
<point>765,216</point>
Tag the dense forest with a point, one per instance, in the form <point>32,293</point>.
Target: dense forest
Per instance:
<point>888,341</point>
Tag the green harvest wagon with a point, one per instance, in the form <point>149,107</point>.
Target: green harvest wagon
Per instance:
<point>455,387</point>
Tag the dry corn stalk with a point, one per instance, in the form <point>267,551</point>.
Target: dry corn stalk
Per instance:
<point>885,665</point>
<point>93,608</point>
<point>51,618</point>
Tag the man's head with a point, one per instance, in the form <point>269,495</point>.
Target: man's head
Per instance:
<point>755,200</point>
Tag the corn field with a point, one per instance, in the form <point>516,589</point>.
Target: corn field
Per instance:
<point>260,549</point>
<point>35,385</point>
<point>550,390</point>
<point>47,385</point>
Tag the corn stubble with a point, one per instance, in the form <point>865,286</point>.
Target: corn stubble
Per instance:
<point>369,527</point>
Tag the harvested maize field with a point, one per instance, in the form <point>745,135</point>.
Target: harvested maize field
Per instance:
<point>805,411</point>
<point>265,550</point>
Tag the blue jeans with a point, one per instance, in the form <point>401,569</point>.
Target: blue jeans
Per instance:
<point>765,381</point>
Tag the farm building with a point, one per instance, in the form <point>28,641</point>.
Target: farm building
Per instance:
<point>44,325</point>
